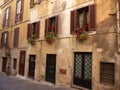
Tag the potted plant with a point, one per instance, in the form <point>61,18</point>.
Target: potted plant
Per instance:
<point>81,34</point>
<point>50,37</point>
<point>31,40</point>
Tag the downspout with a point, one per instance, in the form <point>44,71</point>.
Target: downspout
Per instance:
<point>118,25</point>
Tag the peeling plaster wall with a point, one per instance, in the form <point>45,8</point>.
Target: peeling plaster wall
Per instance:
<point>102,43</point>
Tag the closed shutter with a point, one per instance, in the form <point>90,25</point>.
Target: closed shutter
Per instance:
<point>39,1</point>
<point>119,11</point>
<point>56,26</point>
<point>46,26</point>
<point>92,18</point>
<point>21,12</point>
<point>29,31</point>
<point>38,30</point>
<point>16,37</point>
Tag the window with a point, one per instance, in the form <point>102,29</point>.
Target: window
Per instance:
<point>6,17</point>
<point>34,2</point>
<point>4,39</point>
<point>16,37</point>
<point>19,11</point>
<point>107,73</point>
<point>33,29</point>
<point>14,63</point>
<point>82,17</point>
<point>51,25</point>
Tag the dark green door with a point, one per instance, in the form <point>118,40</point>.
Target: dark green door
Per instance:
<point>4,63</point>
<point>83,69</point>
<point>50,68</point>
<point>32,66</point>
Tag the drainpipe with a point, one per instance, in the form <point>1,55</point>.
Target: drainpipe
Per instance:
<point>118,25</point>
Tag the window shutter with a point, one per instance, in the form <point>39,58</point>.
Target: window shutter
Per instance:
<point>119,11</point>
<point>2,41</point>
<point>39,1</point>
<point>31,3</point>
<point>21,12</point>
<point>4,15</point>
<point>38,29</point>
<point>56,26</point>
<point>16,37</point>
<point>29,31</point>
<point>6,45</point>
<point>8,21</point>
<point>92,18</point>
<point>46,26</point>
<point>74,21</point>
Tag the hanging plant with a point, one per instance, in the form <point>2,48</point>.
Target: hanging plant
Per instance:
<point>50,37</point>
<point>31,40</point>
<point>81,34</point>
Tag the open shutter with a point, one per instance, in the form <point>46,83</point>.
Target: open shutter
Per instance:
<point>6,45</point>
<point>56,26</point>
<point>38,30</point>
<point>16,37</point>
<point>46,26</point>
<point>21,12</point>
<point>92,18</point>
<point>2,40</point>
<point>39,1</point>
<point>4,15</point>
<point>74,21</point>
<point>8,21</point>
<point>31,3</point>
<point>29,31</point>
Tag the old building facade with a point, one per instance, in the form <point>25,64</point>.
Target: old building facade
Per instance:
<point>65,42</point>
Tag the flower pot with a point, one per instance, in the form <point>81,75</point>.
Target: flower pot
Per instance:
<point>33,43</point>
<point>50,41</point>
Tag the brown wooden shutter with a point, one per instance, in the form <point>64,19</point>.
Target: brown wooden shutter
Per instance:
<point>2,43</point>
<point>21,12</point>
<point>56,26</point>
<point>39,1</point>
<point>4,15</point>
<point>8,22</point>
<point>6,45</point>
<point>46,26</point>
<point>38,30</point>
<point>29,31</point>
<point>16,37</point>
<point>92,18</point>
<point>72,22</point>
<point>31,3</point>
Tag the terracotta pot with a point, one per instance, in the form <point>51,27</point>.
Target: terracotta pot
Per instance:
<point>50,41</point>
<point>33,43</point>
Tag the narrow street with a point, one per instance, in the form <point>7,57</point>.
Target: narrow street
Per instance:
<point>18,83</point>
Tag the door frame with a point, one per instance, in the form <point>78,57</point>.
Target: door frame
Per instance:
<point>73,70</point>
<point>46,67</point>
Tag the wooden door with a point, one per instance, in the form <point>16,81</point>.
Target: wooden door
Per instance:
<point>82,69</point>
<point>31,72</point>
<point>50,68</point>
<point>22,62</point>
<point>4,63</point>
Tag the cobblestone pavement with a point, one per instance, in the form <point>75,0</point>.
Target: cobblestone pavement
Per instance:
<point>18,83</point>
